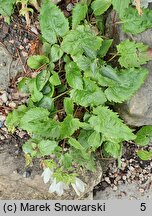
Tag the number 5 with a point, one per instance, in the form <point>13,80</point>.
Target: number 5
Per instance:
<point>143,207</point>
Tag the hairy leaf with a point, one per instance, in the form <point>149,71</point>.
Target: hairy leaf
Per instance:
<point>135,24</point>
<point>120,6</point>
<point>95,140</point>
<point>52,22</point>
<point>79,13</point>
<point>107,122</point>
<point>77,40</point>
<point>73,142</point>
<point>91,95</point>
<point>104,48</point>
<point>6,8</point>
<point>41,79</point>
<point>14,117</point>
<point>145,155</point>
<point>131,81</point>
<point>69,126</point>
<point>56,53</point>
<point>36,95</point>
<point>54,79</point>
<point>144,136</point>
<point>46,147</point>
<point>47,103</point>
<point>73,75</point>
<point>68,106</point>
<point>100,6</point>
<point>132,54</point>
<point>36,61</point>
<point>113,149</point>
<point>32,116</point>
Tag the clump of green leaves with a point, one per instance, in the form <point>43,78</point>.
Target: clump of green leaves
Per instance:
<point>76,76</point>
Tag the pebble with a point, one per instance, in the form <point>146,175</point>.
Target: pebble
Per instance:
<point>12,104</point>
<point>141,190</point>
<point>4,97</point>
<point>115,188</point>
<point>69,7</point>
<point>107,179</point>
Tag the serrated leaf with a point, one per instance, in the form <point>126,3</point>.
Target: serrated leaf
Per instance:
<point>132,54</point>
<point>131,81</point>
<point>69,126</point>
<point>107,122</point>
<point>6,9</point>
<point>83,62</point>
<point>36,61</point>
<point>79,13</point>
<point>68,106</point>
<point>73,142</point>
<point>84,159</point>
<point>46,147</point>
<point>75,41</point>
<point>56,53</point>
<point>14,117</point>
<point>33,116</point>
<point>109,72</point>
<point>54,79</point>
<point>135,24</point>
<point>52,22</point>
<point>66,161</point>
<point>47,103</point>
<point>120,6</point>
<point>95,140</point>
<point>36,95</point>
<point>113,149</point>
<point>83,138</point>
<point>30,147</point>
<point>106,44</point>
<point>91,95</point>
<point>100,6</point>
<point>144,155</point>
<point>42,78</point>
<point>73,75</point>
<point>23,85</point>
<point>144,136</point>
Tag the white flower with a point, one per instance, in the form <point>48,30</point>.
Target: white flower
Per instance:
<point>57,187</point>
<point>79,186</point>
<point>47,175</point>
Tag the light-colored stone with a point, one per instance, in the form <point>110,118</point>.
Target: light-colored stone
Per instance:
<point>8,68</point>
<point>138,110</point>
<point>16,186</point>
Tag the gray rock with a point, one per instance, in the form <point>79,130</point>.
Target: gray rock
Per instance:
<point>138,110</point>
<point>8,68</point>
<point>17,186</point>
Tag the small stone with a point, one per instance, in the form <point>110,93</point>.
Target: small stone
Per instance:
<point>4,97</point>
<point>21,47</point>
<point>115,188</point>
<point>124,178</point>
<point>107,180</point>
<point>69,7</point>
<point>12,105</point>
<point>131,168</point>
<point>34,30</point>
<point>123,164</point>
<point>141,190</point>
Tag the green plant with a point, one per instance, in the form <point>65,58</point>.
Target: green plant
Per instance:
<point>7,6</point>
<point>76,77</point>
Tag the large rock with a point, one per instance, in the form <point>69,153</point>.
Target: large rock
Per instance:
<point>13,184</point>
<point>8,68</point>
<point>138,110</point>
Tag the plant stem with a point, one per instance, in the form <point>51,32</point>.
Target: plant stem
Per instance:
<point>60,95</point>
